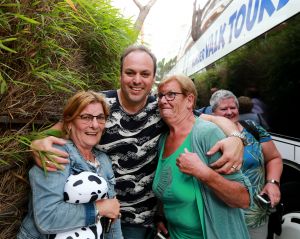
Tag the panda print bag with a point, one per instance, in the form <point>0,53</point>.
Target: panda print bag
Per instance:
<point>84,187</point>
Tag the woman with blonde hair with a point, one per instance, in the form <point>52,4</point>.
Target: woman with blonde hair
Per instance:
<point>197,201</point>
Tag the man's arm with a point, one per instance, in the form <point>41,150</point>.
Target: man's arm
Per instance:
<point>232,147</point>
<point>225,124</point>
<point>46,145</point>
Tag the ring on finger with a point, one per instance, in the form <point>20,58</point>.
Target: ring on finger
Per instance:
<point>234,167</point>
<point>119,216</point>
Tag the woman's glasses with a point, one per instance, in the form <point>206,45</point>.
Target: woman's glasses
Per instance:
<point>169,95</point>
<point>88,118</point>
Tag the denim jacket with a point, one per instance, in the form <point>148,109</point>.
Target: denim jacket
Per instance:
<point>48,213</point>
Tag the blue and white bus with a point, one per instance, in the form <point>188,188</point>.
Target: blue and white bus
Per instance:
<point>240,22</point>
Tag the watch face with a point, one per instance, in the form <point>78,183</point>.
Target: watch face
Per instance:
<point>273,181</point>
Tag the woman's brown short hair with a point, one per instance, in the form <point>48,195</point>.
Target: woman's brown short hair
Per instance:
<point>78,102</point>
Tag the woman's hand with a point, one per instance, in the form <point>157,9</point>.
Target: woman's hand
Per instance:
<point>109,208</point>
<point>233,193</point>
<point>273,192</point>
<point>161,227</point>
<point>190,163</point>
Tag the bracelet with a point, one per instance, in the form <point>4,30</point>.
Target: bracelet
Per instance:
<point>239,135</point>
<point>273,181</point>
<point>97,214</point>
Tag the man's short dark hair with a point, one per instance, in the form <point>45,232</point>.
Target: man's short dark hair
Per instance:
<point>138,48</point>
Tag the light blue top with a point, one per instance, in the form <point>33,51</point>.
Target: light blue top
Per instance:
<point>48,213</point>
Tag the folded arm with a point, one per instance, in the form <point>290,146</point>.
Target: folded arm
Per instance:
<point>51,213</point>
<point>233,193</point>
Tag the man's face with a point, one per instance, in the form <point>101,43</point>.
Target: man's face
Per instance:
<point>137,77</point>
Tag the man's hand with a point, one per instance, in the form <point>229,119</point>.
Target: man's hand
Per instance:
<point>232,158</point>
<point>44,148</point>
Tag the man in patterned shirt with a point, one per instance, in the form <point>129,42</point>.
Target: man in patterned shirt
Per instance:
<point>130,139</point>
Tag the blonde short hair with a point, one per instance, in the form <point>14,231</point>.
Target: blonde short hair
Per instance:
<point>186,84</point>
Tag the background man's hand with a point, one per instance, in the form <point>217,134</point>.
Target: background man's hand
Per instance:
<point>232,157</point>
<point>46,155</point>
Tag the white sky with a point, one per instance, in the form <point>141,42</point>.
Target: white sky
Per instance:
<point>166,27</point>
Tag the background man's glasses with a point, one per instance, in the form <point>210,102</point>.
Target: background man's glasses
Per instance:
<point>169,95</point>
<point>88,118</point>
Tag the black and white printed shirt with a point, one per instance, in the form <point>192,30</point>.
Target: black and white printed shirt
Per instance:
<point>131,142</point>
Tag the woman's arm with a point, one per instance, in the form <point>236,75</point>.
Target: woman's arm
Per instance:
<point>233,193</point>
<point>52,214</point>
<point>274,167</point>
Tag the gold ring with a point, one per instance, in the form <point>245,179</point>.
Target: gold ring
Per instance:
<point>234,167</point>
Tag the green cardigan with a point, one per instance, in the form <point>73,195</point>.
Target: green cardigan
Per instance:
<point>220,221</point>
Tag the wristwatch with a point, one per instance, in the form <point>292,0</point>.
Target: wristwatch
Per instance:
<point>273,181</point>
<point>239,135</point>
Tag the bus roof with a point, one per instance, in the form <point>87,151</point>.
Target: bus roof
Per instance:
<point>240,22</point>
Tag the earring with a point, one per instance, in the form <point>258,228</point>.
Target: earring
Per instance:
<point>68,132</point>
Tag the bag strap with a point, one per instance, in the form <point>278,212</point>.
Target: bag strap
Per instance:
<point>259,119</point>
<point>251,129</point>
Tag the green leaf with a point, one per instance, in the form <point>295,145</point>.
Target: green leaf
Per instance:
<point>27,19</point>
<point>3,85</point>
<point>9,39</point>
<point>9,5</point>
<point>7,48</point>
<point>52,132</point>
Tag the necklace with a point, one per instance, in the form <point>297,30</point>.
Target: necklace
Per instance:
<point>89,158</point>
<point>95,163</point>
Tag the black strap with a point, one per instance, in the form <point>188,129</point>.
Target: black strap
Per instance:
<point>203,109</point>
<point>250,128</point>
